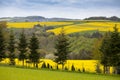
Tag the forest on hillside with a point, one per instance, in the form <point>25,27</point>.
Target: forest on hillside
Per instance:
<point>82,44</point>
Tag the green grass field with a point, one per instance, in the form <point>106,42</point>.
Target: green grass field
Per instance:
<point>12,73</point>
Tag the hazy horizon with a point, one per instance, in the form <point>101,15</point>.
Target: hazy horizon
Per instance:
<point>75,9</point>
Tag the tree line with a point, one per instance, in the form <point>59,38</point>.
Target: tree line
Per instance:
<point>23,47</point>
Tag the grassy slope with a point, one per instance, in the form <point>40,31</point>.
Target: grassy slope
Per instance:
<point>11,73</point>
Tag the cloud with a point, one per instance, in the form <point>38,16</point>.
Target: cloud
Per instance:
<point>60,8</point>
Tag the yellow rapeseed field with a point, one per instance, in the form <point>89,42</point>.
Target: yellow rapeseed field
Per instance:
<point>31,24</point>
<point>88,65</point>
<point>70,26</point>
<point>101,26</point>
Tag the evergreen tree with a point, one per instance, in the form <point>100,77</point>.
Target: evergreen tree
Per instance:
<point>110,49</point>
<point>34,45</point>
<point>2,39</point>
<point>2,44</point>
<point>62,48</point>
<point>11,48</point>
<point>115,49</point>
<point>105,49</point>
<point>22,47</point>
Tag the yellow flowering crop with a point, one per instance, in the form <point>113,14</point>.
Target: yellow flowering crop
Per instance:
<point>70,27</point>
<point>101,26</point>
<point>87,65</point>
<point>31,24</point>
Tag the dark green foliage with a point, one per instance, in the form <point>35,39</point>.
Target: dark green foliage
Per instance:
<point>44,65</point>
<point>22,47</point>
<point>2,44</point>
<point>115,47</point>
<point>72,68</point>
<point>105,49</point>
<point>111,49</point>
<point>11,48</point>
<point>3,39</point>
<point>34,46</point>
<point>62,48</point>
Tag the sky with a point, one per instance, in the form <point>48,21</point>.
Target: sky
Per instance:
<point>75,9</point>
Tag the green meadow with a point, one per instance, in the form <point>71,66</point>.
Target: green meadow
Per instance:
<point>12,73</point>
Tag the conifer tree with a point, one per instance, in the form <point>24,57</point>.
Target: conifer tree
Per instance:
<point>11,48</point>
<point>34,46</point>
<point>105,49</point>
<point>2,39</point>
<point>110,49</point>
<point>2,44</point>
<point>115,49</point>
<point>62,48</point>
<point>22,47</point>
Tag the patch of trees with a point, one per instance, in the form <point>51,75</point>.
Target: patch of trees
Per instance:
<point>81,47</point>
<point>82,55</point>
<point>113,18</point>
<point>30,45</point>
<point>90,34</point>
<point>81,43</point>
<point>22,47</point>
